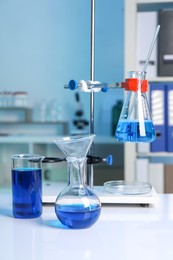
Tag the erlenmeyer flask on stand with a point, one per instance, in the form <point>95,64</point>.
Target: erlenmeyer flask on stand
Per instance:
<point>135,123</point>
<point>77,206</point>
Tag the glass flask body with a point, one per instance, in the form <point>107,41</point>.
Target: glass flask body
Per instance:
<point>135,123</point>
<point>77,206</point>
<point>116,111</point>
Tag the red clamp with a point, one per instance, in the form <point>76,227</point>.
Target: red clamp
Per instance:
<point>133,84</point>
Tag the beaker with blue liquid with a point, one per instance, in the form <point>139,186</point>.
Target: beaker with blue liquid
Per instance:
<point>77,206</point>
<point>135,123</point>
<point>26,171</point>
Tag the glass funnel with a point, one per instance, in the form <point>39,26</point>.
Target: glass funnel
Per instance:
<point>135,123</point>
<point>77,206</point>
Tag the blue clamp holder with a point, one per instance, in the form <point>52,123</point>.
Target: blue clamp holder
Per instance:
<point>93,159</point>
<point>90,159</point>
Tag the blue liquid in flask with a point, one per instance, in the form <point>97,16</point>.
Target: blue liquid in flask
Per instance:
<point>27,192</point>
<point>77,216</point>
<point>129,131</point>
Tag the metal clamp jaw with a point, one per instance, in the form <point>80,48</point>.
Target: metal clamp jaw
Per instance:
<point>88,86</point>
<point>90,160</point>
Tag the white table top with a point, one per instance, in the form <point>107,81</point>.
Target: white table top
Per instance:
<point>123,232</point>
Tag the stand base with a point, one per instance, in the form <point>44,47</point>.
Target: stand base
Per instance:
<point>143,199</point>
<point>51,191</point>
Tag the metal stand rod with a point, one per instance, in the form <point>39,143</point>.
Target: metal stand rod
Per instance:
<point>92,65</point>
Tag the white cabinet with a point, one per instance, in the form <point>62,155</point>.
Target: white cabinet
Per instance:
<point>132,7</point>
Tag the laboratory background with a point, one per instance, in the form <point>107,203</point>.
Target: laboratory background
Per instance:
<point>46,44</point>
<point>86,129</point>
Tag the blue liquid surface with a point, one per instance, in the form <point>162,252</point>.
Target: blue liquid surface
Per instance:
<point>76,216</point>
<point>128,131</point>
<point>27,193</point>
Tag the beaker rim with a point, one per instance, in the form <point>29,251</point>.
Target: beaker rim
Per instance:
<point>27,156</point>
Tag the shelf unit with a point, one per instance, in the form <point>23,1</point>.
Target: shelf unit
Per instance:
<point>131,9</point>
<point>22,113</point>
<point>18,120</point>
<point>34,128</point>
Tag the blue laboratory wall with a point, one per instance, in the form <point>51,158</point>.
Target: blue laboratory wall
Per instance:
<point>45,43</point>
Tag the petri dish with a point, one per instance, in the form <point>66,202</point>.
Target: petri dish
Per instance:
<point>127,188</point>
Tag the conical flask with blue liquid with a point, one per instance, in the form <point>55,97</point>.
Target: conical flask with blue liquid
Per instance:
<point>135,123</point>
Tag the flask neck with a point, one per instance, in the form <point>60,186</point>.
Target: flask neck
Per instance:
<point>136,81</point>
<point>76,171</point>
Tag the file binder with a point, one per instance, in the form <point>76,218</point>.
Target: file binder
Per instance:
<point>168,178</point>
<point>169,134</point>
<point>165,43</point>
<point>158,109</point>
